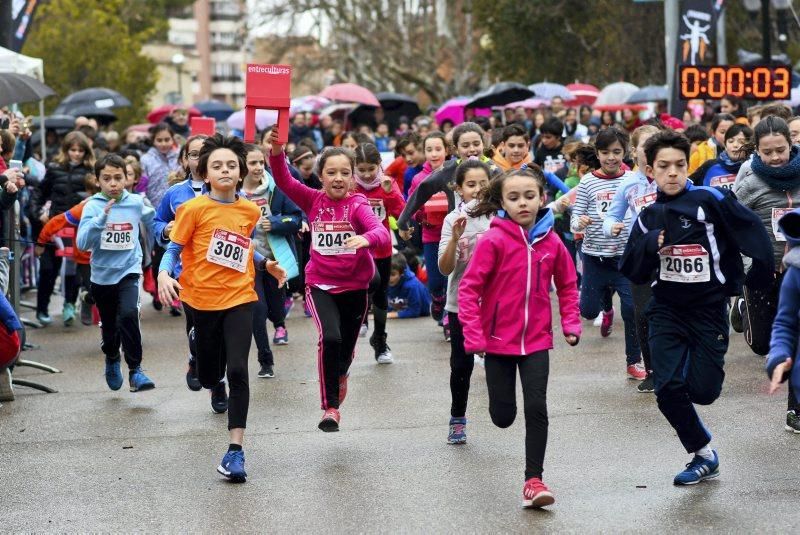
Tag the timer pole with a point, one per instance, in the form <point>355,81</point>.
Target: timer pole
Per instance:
<point>671,18</point>
<point>766,30</point>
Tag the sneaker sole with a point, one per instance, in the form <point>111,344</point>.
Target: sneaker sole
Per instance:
<point>281,342</point>
<point>791,429</point>
<point>385,361</point>
<point>329,426</point>
<point>112,388</point>
<point>231,478</point>
<point>457,441</point>
<point>646,390</point>
<point>712,475</point>
<point>143,388</point>
<point>542,499</point>
<point>266,376</point>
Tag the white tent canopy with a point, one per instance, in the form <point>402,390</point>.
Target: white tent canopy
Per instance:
<point>11,61</point>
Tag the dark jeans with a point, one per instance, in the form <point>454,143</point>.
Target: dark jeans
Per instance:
<point>269,306</point>
<point>338,319</point>
<point>118,305</point>
<point>158,254</point>
<point>501,382</point>
<point>461,365</point>
<point>222,340</point>
<point>49,268</point>
<point>601,274</point>
<point>437,283</point>
<point>688,348</point>
<point>641,296</point>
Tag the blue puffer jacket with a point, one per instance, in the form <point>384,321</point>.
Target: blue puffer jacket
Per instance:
<point>409,297</point>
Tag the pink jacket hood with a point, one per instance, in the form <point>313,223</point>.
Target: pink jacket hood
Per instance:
<point>504,298</point>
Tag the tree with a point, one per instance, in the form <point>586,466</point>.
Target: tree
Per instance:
<point>87,43</point>
<point>392,45</point>
<point>599,42</point>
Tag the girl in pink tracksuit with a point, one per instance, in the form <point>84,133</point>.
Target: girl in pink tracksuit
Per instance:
<point>504,308</point>
<point>343,231</point>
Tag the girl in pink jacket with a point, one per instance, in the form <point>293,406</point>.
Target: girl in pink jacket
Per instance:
<point>343,231</point>
<point>504,308</point>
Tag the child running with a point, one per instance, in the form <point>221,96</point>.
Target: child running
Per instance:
<point>386,200</point>
<point>601,255</point>
<point>460,233</point>
<point>504,307</point>
<point>109,230</point>
<point>340,267</point>
<point>280,221</point>
<point>691,237</point>
<point>212,237</point>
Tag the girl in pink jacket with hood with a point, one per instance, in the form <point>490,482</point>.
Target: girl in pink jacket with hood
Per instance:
<point>343,231</point>
<point>504,307</point>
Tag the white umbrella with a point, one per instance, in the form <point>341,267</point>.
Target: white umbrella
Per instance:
<point>617,93</point>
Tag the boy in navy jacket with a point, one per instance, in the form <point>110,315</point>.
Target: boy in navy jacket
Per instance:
<point>408,297</point>
<point>691,238</point>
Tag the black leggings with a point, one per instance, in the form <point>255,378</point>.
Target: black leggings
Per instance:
<point>501,381</point>
<point>461,365</point>
<point>641,296</point>
<point>338,318</point>
<point>222,338</point>
<point>49,269</point>
<point>378,293</point>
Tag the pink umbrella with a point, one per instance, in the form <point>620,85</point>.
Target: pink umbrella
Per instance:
<point>350,93</point>
<point>264,118</point>
<point>453,111</point>
<point>311,103</point>
<point>158,114</point>
<point>583,93</point>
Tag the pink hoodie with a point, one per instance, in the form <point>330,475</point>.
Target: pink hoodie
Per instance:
<point>504,299</point>
<point>348,271</point>
<point>430,233</point>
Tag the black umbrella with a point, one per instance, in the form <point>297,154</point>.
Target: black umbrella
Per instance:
<point>56,122</point>
<point>18,88</point>
<point>103,115</point>
<point>99,97</point>
<point>500,94</point>
<point>649,93</point>
<point>394,105</point>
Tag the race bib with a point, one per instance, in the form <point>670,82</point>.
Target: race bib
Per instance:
<point>117,237</point>
<point>263,205</point>
<point>724,182</point>
<point>643,201</point>
<point>229,250</point>
<point>328,237</point>
<point>378,208</point>
<point>603,202</point>
<point>685,264</point>
<point>777,214</point>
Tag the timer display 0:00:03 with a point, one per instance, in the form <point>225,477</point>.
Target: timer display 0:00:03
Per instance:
<point>748,82</point>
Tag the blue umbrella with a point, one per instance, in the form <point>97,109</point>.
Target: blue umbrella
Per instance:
<point>649,93</point>
<point>548,90</point>
<point>217,109</point>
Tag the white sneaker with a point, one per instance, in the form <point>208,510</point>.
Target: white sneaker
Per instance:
<point>385,357</point>
<point>480,361</point>
<point>598,321</point>
<point>363,331</point>
<point>6,388</point>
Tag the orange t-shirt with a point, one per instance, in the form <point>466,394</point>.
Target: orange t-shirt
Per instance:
<point>217,256</point>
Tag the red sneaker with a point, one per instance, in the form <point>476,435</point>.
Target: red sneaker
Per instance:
<point>536,494</point>
<point>343,388</point>
<point>330,420</point>
<point>607,323</point>
<point>637,372</point>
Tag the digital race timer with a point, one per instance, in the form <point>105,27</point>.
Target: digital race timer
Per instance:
<point>752,83</point>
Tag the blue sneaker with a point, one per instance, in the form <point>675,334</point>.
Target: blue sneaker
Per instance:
<point>113,373</point>
<point>232,467</point>
<point>44,318</point>
<point>698,470</point>
<point>458,431</point>
<point>139,381</point>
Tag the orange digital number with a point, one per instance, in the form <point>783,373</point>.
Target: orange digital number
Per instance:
<point>781,83</point>
<point>690,82</point>
<point>735,81</point>
<point>716,82</point>
<point>762,79</point>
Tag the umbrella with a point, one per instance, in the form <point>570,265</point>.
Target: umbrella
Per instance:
<point>616,93</point>
<point>141,127</point>
<point>56,122</point>
<point>264,118</point>
<point>217,109</point>
<point>308,104</point>
<point>528,104</point>
<point>499,94</point>
<point>350,93</point>
<point>19,88</point>
<point>100,97</point>
<point>103,115</point>
<point>549,90</point>
<point>583,94</point>
<point>395,105</point>
<point>158,114</point>
<point>453,111</point>
<point>649,93</point>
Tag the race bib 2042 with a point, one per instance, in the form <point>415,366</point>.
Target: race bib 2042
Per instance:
<point>329,237</point>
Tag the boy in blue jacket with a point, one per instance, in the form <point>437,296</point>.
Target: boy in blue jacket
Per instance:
<point>688,242</point>
<point>408,297</point>
<point>109,228</point>
<point>786,327</point>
